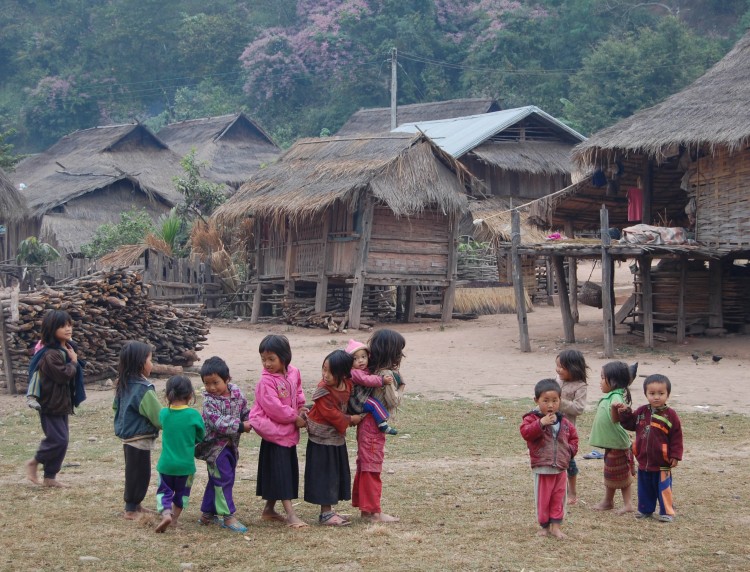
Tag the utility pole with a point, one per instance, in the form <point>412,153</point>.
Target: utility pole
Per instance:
<point>394,89</point>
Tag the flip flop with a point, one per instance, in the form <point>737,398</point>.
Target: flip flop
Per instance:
<point>213,519</point>
<point>593,455</point>
<point>332,519</point>
<point>298,525</point>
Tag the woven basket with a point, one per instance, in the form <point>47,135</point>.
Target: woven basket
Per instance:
<point>590,294</point>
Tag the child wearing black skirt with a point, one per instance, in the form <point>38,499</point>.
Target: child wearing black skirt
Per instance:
<point>327,474</point>
<point>277,415</point>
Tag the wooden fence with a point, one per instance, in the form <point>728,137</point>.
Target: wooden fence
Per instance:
<point>177,280</point>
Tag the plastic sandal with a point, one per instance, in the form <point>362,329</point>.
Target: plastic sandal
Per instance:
<point>206,520</point>
<point>593,455</point>
<point>332,519</point>
<point>236,526</point>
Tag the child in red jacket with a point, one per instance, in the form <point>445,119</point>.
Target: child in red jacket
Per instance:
<point>658,446</point>
<point>552,442</point>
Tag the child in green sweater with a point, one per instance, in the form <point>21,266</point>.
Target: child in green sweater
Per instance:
<point>182,429</point>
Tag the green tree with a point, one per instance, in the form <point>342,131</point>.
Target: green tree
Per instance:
<point>201,197</point>
<point>8,159</point>
<point>132,229</point>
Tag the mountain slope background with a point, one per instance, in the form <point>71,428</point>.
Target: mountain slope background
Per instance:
<point>301,67</point>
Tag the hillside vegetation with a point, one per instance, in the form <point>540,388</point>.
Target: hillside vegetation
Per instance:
<point>301,67</point>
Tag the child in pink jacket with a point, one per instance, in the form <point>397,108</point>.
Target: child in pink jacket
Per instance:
<point>277,415</point>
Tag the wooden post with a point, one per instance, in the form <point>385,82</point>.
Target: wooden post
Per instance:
<point>715,312</point>
<point>681,321</point>
<point>358,288</point>
<point>647,192</point>
<point>8,365</point>
<point>449,293</point>
<point>256,303</point>
<point>411,303</point>
<point>573,284</point>
<point>523,325</point>
<point>321,289</point>
<point>562,293</point>
<point>647,302</point>
<point>289,259</point>
<point>608,314</point>
<point>257,231</point>
<point>550,283</point>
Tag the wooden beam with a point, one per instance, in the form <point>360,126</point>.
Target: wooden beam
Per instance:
<point>449,294</point>
<point>647,302</point>
<point>681,321</point>
<point>562,294</point>
<point>358,288</point>
<point>321,288</point>
<point>609,319</point>
<point>715,312</point>
<point>523,325</point>
<point>648,191</point>
<point>411,303</point>
<point>289,259</point>
<point>255,312</point>
<point>573,284</point>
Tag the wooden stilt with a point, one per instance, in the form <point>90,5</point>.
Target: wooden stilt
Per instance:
<point>321,288</point>
<point>647,302</point>
<point>715,312</point>
<point>681,321</point>
<point>562,294</point>
<point>449,293</point>
<point>7,363</point>
<point>573,284</point>
<point>523,326</point>
<point>411,303</point>
<point>358,288</point>
<point>608,314</point>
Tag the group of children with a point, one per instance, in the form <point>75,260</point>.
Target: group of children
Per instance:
<point>550,434</point>
<point>360,386</point>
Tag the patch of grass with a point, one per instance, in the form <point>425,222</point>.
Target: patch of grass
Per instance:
<point>457,475</point>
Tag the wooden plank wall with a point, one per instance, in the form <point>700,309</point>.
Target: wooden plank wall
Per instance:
<point>409,247</point>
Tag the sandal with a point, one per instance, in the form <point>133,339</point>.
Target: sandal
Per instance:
<point>330,518</point>
<point>236,526</point>
<point>593,455</point>
<point>207,519</point>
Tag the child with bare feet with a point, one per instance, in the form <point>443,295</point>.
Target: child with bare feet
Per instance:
<point>571,369</point>
<point>327,474</point>
<point>137,422</point>
<point>386,352</point>
<point>225,414</point>
<point>277,415</point>
<point>59,374</point>
<point>182,428</point>
<point>658,446</point>
<point>552,441</point>
<point>608,434</point>
<point>362,378</point>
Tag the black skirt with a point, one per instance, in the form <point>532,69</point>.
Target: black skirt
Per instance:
<point>278,472</point>
<point>327,475</point>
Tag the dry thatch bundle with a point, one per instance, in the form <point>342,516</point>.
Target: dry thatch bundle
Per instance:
<point>205,240</point>
<point>493,221</point>
<point>488,300</point>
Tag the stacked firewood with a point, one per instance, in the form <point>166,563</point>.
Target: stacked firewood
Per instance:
<point>108,308</point>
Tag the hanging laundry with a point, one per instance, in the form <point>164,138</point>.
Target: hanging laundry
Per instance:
<point>635,203</point>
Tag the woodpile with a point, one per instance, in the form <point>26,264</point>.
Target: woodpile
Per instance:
<point>108,309</point>
<point>378,304</point>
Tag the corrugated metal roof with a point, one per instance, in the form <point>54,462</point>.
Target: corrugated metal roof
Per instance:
<point>460,135</point>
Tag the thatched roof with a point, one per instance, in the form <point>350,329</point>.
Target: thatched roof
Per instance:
<point>93,159</point>
<point>535,157</point>
<point>492,220</point>
<point>712,111</point>
<point>66,233</point>
<point>406,172</point>
<point>378,120</point>
<point>232,146</point>
<point>12,203</point>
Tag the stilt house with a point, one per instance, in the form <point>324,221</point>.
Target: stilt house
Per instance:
<point>683,164</point>
<point>350,213</point>
<point>14,220</point>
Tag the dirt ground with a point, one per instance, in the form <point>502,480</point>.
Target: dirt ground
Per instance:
<point>480,359</point>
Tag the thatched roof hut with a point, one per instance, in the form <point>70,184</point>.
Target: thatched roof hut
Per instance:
<point>233,146</point>
<point>355,212</point>
<point>378,119</point>
<point>712,111</point>
<point>398,169</point>
<point>91,176</point>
